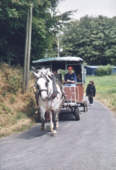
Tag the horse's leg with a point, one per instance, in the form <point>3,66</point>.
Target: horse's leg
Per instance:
<point>51,122</point>
<point>54,121</point>
<point>57,121</point>
<point>42,121</point>
<point>42,124</point>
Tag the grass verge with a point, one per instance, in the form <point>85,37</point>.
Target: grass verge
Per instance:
<point>16,108</point>
<point>106,89</point>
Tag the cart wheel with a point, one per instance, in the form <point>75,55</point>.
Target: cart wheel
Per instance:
<point>76,114</point>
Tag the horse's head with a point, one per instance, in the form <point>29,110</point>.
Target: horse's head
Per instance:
<point>43,83</point>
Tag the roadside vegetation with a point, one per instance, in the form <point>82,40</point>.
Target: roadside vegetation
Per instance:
<point>16,108</point>
<point>106,89</point>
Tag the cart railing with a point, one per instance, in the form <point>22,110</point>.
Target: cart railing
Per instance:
<point>73,93</point>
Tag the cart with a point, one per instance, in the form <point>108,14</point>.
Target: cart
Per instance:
<point>74,93</point>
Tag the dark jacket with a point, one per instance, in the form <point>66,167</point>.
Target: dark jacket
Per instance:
<point>90,90</point>
<point>71,77</point>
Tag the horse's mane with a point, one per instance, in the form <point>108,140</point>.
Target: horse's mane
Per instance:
<point>43,71</point>
<point>49,75</point>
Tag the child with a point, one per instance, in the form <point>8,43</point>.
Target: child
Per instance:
<point>90,91</point>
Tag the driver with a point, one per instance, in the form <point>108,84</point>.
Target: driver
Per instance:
<point>70,77</point>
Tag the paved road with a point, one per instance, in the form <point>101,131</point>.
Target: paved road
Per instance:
<point>89,144</point>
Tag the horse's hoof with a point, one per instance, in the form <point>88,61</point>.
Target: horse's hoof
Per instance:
<point>53,133</point>
<point>57,125</point>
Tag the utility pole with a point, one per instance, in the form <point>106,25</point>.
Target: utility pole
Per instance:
<point>27,49</point>
<point>58,43</point>
<point>58,46</point>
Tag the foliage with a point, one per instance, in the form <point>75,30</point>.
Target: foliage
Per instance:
<point>12,79</point>
<point>46,23</point>
<point>5,108</point>
<point>92,38</point>
<point>104,70</point>
<point>12,99</point>
<point>14,83</point>
<point>16,109</point>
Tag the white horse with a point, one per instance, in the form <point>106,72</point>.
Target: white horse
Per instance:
<point>50,97</point>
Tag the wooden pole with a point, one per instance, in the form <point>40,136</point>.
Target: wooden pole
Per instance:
<point>27,49</point>
<point>29,46</point>
<point>25,57</point>
<point>58,46</point>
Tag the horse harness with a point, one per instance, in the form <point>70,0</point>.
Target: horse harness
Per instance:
<point>54,94</point>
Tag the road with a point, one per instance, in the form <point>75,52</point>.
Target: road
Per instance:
<point>88,144</point>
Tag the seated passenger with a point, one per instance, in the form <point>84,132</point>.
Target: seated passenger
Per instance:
<point>79,79</point>
<point>70,77</point>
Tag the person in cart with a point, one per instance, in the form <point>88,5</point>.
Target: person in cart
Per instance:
<point>79,78</point>
<point>70,77</point>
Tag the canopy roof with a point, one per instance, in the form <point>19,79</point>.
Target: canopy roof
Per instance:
<point>58,59</point>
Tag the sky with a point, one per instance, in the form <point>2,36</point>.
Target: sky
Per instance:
<point>88,7</point>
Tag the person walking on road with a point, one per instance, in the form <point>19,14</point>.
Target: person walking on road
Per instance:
<point>90,91</point>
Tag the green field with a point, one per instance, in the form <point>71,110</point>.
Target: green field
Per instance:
<point>106,89</point>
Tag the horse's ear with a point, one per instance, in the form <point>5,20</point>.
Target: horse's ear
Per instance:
<point>49,73</point>
<point>35,74</point>
<point>33,68</point>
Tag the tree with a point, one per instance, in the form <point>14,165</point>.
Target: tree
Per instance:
<point>46,23</point>
<point>93,39</point>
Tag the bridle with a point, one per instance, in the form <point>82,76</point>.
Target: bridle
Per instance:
<point>41,90</point>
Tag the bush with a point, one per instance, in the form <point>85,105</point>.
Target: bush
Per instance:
<point>14,83</point>
<point>12,79</point>
<point>104,70</point>
<point>12,99</point>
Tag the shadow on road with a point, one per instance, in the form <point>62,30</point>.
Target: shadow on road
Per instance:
<point>66,117</point>
<point>36,131</point>
<point>33,133</point>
